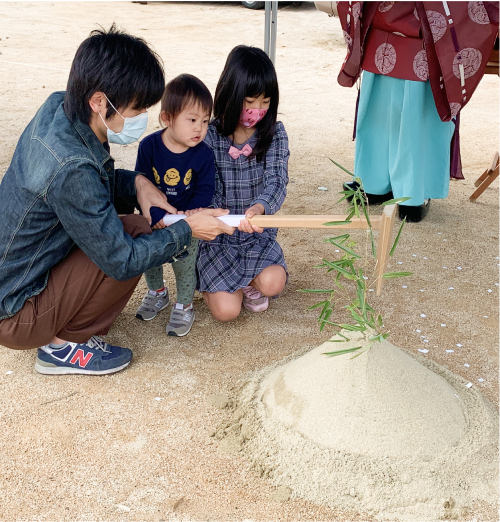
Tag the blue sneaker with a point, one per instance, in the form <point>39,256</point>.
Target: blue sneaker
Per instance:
<point>95,357</point>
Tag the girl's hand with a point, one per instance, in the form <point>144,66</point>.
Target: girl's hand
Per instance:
<point>245,225</point>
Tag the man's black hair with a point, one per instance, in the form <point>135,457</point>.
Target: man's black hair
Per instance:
<point>118,64</point>
<point>248,73</point>
<point>184,91</point>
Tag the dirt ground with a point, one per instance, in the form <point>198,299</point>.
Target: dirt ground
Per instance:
<point>136,445</point>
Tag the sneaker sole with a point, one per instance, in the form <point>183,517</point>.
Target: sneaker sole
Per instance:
<point>175,334</point>
<point>151,318</point>
<point>61,370</point>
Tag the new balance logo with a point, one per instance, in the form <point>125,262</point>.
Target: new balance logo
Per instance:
<point>81,358</point>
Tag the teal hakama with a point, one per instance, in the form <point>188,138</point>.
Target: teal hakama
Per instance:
<point>401,143</point>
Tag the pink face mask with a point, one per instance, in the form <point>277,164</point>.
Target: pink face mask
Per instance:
<point>250,117</point>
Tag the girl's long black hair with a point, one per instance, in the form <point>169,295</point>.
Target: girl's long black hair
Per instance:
<point>248,73</point>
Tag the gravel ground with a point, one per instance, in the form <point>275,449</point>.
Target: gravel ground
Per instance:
<point>137,445</point>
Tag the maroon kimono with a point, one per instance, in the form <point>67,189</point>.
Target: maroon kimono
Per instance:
<point>447,43</point>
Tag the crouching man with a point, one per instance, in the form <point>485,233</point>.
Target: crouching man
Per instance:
<point>68,263</point>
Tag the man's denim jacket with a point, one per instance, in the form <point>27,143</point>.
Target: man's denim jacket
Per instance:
<point>60,190</point>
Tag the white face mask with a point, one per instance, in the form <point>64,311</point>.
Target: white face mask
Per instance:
<point>133,128</point>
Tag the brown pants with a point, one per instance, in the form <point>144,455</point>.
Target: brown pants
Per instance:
<point>79,301</point>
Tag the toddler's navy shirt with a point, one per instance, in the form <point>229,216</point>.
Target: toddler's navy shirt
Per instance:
<point>186,178</point>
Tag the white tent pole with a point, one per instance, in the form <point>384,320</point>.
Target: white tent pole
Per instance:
<point>274,30</point>
<point>267,27</point>
<point>270,29</point>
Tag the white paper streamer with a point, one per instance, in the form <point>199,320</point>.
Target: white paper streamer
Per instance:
<point>231,220</point>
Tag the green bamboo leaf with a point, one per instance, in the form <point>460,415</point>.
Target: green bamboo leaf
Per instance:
<point>353,328</point>
<point>356,316</point>
<point>317,305</point>
<point>392,275</point>
<point>379,320</point>
<point>341,167</point>
<point>394,201</point>
<point>369,308</point>
<point>337,325</point>
<point>331,223</point>
<point>341,269</point>
<point>366,214</point>
<point>341,238</point>
<point>365,350</point>
<point>342,247</point>
<point>341,352</point>
<point>356,207</point>
<point>341,199</point>
<point>395,244</point>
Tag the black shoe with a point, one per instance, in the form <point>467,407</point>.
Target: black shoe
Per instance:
<point>373,199</point>
<point>414,214</point>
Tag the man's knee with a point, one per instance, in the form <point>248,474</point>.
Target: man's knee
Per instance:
<point>135,225</point>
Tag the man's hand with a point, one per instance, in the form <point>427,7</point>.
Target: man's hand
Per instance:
<point>149,196</point>
<point>205,225</point>
<point>193,211</point>
<point>245,225</point>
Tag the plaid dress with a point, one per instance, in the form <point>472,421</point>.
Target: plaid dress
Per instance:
<point>229,263</point>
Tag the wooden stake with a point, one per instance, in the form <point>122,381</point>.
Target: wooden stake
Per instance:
<point>383,246</point>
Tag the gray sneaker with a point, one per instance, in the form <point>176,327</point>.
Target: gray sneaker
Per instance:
<point>181,320</point>
<point>152,303</point>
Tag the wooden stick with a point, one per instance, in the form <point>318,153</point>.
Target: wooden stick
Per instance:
<point>313,222</point>
<point>383,246</point>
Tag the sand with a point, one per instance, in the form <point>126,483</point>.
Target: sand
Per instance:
<point>387,433</point>
<point>81,456</point>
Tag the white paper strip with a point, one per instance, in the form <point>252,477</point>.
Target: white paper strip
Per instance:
<point>231,220</point>
<point>462,74</point>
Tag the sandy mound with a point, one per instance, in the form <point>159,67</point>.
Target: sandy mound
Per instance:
<point>383,433</point>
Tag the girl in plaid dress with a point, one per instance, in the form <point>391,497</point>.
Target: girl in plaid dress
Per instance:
<point>251,157</point>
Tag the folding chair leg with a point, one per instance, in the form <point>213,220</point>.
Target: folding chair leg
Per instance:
<point>384,242</point>
<point>482,177</point>
<point>490,178</point>
<point>494,163</point>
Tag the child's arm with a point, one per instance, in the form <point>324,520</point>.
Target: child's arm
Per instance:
<point>275,173</point>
